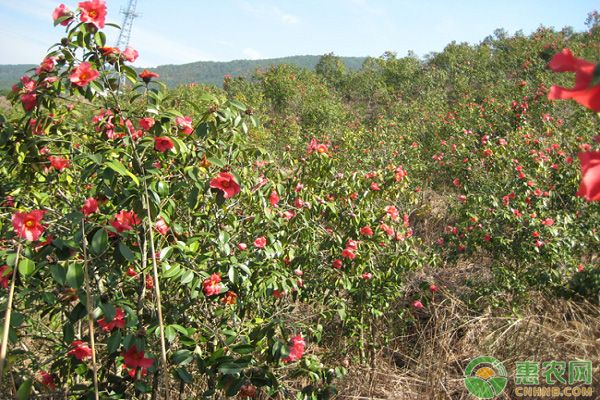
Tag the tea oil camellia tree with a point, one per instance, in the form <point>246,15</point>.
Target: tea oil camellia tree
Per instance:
<point>150,251</point>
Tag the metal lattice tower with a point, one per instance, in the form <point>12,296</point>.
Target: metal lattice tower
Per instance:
<point>129,15</point>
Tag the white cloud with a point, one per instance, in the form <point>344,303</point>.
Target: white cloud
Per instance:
<point>157,49</point>
<point>273,13</point>
<point>38,9</point>
<point>252,54</point>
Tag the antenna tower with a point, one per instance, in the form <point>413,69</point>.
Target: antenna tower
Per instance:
<point>129,15</point>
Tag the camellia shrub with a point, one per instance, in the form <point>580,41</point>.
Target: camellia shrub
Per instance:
<point>149,248</point>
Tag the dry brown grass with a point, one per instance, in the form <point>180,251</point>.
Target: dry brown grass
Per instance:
<point>433,354</point>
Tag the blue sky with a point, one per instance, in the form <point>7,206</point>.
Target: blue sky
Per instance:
<point>182,31</point>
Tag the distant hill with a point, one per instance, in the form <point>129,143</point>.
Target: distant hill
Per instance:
<point>209,72</point>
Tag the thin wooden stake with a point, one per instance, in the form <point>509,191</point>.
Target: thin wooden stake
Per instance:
<point>8,314</point>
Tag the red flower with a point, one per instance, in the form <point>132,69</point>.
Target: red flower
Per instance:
<point>4,276</point>
<point>62,11</point>
<point>83,74</point>
<point>418,305</point>
<point>433,287</point>
<point>130,54</point>
<point>147,123</point>
<point>47,380</point>
<point>131,272</point>
<point>59,163</point>
<point>117,322</point>
<point>212,285</point>
<point>29,101</point>
<point>90,206</point>
<point>242,246</point>
<point>348,253</point>
<point>134,359</point>
<point>289,214</point>
<point>366,230</point>
<point>125,221</point>
<point>366,276</point>
<point>337,264</point>
<point>296,346</point>
<point>46,66</point>
<point>392,212</point>
<point>274,198</point>
<point>260,242</point>
<point>184,124</point>
<point>80,350</point>
<point>584,70</point>
<point>147,76</point>
<point>230,298</point>
<point>375,186</point>
<point>93,12</point>
<point>28,225</point>
<point>161,226</point>
<point>589,187</point>
<point>226,183</point>
<point>149,282</point>
<point>163,144</point>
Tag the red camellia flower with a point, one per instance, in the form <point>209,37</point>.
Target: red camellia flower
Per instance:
<point>117,322</point>
<point>337,264</point>
<point>185,124</point>
<point>62,11</point>
<point>47,380</point>
<point>242,246</point>
<point>80,350</point>
<point>147,123</point>
<point>433,288</point>
<point>83,74</point>
<point>589,187</point>
<point>28,225</point>
<point>90,206</point>
<point>131,272</point>
<point>260,242</point>
<point>47,65</point>
<point>229,298</point>
<point>367,275</point>
<point>125,221</point>
<point>348,253</point>
<point>418,305</point>
<point>274,198</point>
<point>366,230</point>
<point>133,359</point>
<point>212,285</point>
<point>93,12</point>
<point>161,226</point>
<point>29,101</point>
<point>4,276</point>
<point>584,72</point>
<point>130,54</point>
<point>59,163</point>
<point>226,183</point>
<point>163,144</point>
<point>147,76</point>
<point>297,345</point>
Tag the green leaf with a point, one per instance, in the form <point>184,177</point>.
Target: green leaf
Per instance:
<point>24,390</point>
<point>170,333</point>
<point>230,368</point>
<point>182,357</point>
<point>58,273</point>
<point>74,276</point>
<point>26,267</point>
<point>99,242</point>
<point>114,342</point>
<point>109,311</point>
<point>184,375</point>
<point>595,76</point>
<point>126,252</point>
<point>120,169</point>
